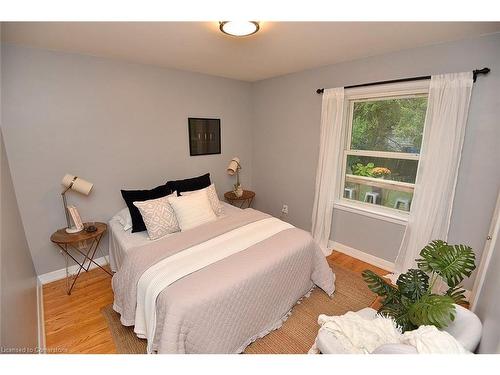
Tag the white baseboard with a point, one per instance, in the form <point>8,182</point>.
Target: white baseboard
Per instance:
<point>61,274</point>
<point>40,317</point>
<point>358,254</point>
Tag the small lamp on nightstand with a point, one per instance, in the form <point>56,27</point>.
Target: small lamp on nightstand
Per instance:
<point>235,167</point>
<point>79,185</point>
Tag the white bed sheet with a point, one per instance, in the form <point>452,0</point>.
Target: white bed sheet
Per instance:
<point>121,241</point>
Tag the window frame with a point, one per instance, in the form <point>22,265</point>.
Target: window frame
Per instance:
<point>369,93</point>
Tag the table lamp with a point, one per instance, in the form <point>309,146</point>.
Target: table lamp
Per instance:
<point>79,185</point>
<point>235,167</point>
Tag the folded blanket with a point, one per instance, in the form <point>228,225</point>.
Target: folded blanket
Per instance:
<point>428,340</point>
<point>358,335</point>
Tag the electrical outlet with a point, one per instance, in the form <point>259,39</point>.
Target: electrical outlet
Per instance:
<point>284,210</point>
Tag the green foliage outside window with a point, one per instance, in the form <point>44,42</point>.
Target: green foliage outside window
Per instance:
<point>389,125</point>
<point>359,169</point>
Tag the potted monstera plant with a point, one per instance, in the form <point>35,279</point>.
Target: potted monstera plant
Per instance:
<point>413,301</point>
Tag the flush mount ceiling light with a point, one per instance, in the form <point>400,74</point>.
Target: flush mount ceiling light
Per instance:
<point>239,28</point>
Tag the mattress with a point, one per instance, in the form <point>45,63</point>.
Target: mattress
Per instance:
<point>121,241</point>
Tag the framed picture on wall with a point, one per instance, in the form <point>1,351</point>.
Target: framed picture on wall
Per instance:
<point>204,136</point>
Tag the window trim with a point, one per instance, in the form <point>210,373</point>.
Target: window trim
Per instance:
<point>376,92</point>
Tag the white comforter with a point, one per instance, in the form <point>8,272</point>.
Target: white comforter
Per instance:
<point>177,266</point>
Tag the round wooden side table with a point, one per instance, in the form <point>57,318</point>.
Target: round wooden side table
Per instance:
<point>68,242</point>
<point>245,199</point>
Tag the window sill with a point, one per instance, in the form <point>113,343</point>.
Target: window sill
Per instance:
<point>375,213</point>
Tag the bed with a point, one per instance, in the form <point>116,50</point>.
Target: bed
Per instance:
<point>215,288</point>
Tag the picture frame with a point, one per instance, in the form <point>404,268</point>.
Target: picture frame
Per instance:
<point>75,217</point>
<point>204,136</point>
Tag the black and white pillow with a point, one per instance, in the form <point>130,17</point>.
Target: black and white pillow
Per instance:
<point>131,196</point>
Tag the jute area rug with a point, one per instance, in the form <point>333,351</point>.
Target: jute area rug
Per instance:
<point>295,336</point>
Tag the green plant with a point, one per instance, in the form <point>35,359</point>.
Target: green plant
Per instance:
<point>359,169</point>
<point>412,302</point>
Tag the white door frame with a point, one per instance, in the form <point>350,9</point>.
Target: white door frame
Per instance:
<point>491,240</point>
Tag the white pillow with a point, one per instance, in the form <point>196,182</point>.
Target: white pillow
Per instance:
<point>212,197</point>
<point>192,210</point>
<point>124,218</point>
<point>159,216</point>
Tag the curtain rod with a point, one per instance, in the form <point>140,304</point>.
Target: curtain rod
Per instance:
<point>475,73</point>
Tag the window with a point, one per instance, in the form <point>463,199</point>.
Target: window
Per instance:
<point>383,139</point>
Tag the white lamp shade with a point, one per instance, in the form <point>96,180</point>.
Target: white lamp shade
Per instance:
<point>77,184</point>
<point>233,166</point>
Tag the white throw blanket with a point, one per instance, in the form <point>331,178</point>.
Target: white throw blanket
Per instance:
<point>358,335</point>
<point>179,265</point>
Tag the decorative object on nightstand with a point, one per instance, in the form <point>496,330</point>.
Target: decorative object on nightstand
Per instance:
<point>70,242</point>
<point>235,167</point>
<point>245,199</point>
<point>81,186</point>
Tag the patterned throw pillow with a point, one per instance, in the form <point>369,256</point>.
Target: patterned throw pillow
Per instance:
<point>159,216</point>
<point>212,197</point>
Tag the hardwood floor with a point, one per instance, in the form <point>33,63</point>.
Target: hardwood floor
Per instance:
<point>74,323</point>
<point>353,264</point>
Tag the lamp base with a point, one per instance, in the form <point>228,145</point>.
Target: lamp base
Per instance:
<point>238,191</point>
<point>73,230</point>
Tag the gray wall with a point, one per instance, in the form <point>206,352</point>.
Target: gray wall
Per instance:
<point>286,141</point>
<point>18,299</point>
<point>116,124</point>
<point>488,308</point>
<point>129,123</point>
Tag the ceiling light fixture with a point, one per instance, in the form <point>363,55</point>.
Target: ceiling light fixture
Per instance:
<point>239,28</point>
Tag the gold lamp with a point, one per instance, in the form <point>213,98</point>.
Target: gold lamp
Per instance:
<point>233,168</point>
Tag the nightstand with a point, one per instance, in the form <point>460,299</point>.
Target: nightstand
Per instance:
<point>83,243</point>
<point>245,199</point>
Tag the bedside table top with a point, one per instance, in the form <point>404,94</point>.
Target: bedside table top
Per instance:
<point>247,194</point>
<point>61,237</point>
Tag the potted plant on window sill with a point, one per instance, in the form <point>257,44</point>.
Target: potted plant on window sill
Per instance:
<point>414,301</point>
<point>381,172</point>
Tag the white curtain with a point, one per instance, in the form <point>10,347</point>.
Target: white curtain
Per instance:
<point>329,165</point>
<point>445,121</point>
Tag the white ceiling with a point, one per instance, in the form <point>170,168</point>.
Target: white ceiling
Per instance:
<point>278,48</point>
